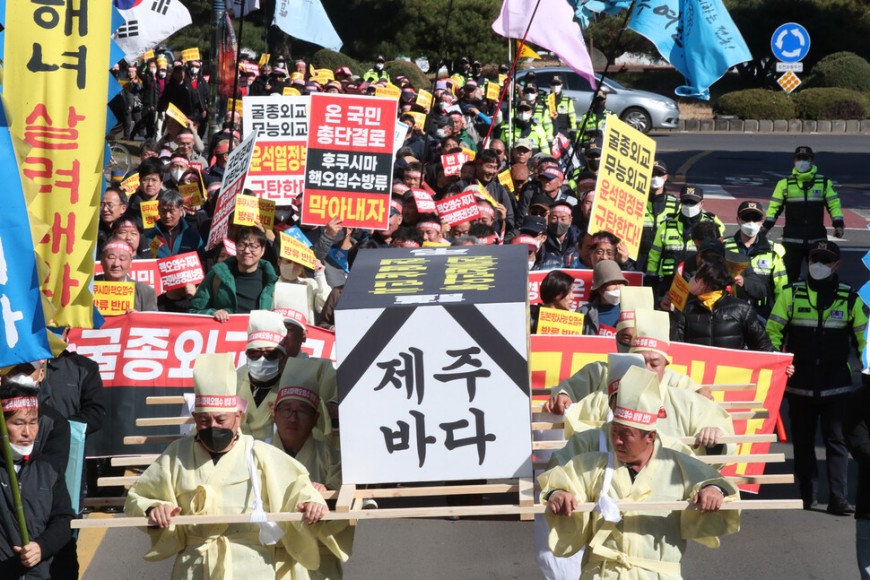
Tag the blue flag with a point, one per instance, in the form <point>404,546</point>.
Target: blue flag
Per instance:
<point>697,37</point>
<point>22,323</point>
<point>306,20</point>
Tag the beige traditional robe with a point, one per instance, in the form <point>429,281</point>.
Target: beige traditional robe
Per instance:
<point>594,377</point>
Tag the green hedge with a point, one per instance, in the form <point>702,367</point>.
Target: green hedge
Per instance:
<point>325,58</point>
<point>757,104</point>
<point>844,70</point>
<point>404,68</point>
<point>831,103</point>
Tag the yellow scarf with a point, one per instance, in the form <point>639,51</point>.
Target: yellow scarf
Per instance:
<point>709,299</point>
<point>551,105</point>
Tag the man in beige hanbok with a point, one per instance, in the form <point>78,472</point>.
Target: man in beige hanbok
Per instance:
<point>216,470</point>
<point>635,545</point>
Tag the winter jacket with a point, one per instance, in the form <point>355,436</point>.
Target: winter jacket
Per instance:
<point>218,290</point>
<point>732,324</point>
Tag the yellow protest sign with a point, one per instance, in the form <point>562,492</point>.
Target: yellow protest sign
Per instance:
<point>435,245</point>
<point>149,213</point>
<point>471,154</point>
<point>562,322</point>
<point>189,54</point>
<point>130,184</point>
<point>191,194</point>
<point>290,92</point>
<point>425,98</point>
<point>419,118</point>
<point>174,112</point>
<point>251,209</point>
<point>486,195</point>
<point>506,180</point>
<point>389,91</point>
<point>502,79</point>
<point>148,55</point>
<point>679,292</point>
<point>264,59</point>
<point>325,73</point>
<point>295,251</point>
<point>622,188</point>
<point>492,91</point>
<point>114,298</point>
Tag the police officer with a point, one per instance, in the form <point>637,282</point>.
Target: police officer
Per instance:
<point>525,127</point>
<point>803,195</point>
<point>539,113</point>
<point>672,242</point>
<point>818,320</point>
<point>377,72</point>
<point>591,124</point>
<point>560,109</point>
<point>764,278</point>
<point>660,206</point>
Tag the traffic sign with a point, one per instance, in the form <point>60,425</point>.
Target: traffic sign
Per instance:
<point>790,66</point>
<point>790,42</point>
<point>789,82</point>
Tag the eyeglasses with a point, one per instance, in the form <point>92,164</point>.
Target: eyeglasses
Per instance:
<point>168,209</point>
<point>602,253</point>
<point>109,204</point>
<point>299,413</point>
<point>243,246</point>
<point>271,354</point>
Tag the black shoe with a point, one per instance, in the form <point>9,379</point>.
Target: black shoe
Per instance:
<point>810,504</point>
<point>840,507</point>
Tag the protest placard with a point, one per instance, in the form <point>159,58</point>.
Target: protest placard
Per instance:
<point>622,188</point>
<point>458,209</point>
<point>231,185</point>
<point>581,288</point>
<point>679,292</point>
<point>389,92</point>
<point>559,322</point>
<point>349,167</point>
<point>453,162</point>
<point>174,112</point>
<point>419,119</point>
<point>296,251</point>
<point>178,271</point>
<point>191,194</point>
<point>291,92</point>
<point>251,210</point>
<point>492,91</point>
<point>436,411</point>
<point>144,271</point>
<point>130,184</point>
<point>114,298</point>
<point>189,54</point>
<point>277,169</point>
<point>149,213</point>
<point>507,180</point>
<point>423,201</point>
<point>424,99</point>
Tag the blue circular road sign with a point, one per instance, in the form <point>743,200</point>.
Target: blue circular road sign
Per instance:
<point>790,42</point>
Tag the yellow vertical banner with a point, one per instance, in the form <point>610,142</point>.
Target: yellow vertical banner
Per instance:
<point>55,87</point>
<point>622,188</point>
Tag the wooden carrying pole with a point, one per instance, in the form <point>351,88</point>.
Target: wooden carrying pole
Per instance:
<point>433,512</point>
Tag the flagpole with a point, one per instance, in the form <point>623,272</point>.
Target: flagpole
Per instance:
<point>218,10</point>
<point>231,103</point>
<point>511,72</point>
<point>509,81</point>
<point>611,56</point>
<point>13,481</point>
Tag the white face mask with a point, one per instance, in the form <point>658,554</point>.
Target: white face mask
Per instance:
<point>441,133</point>
<point>21,451</point>
<point>802,166</point>
<point>657,182</point>
<point>176,174</point>
<point>263,369</point>
<point>525,116</point>
<point>194,70</point>
<point>152,70</point>
<point>531,264</point>
<point>531,98</point>
<point>289,271</point>
<point>690,211</point>
<point>557,89</point>
<point>819,271</point>
<point>162,74</point>
<point>612,297</point>
<point>379,66</point>
<point>22,380</point>
<point>751,229</point>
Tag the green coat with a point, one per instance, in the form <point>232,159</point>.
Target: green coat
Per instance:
<point>218,289</point>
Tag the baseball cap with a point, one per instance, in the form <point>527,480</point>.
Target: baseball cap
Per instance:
<point>825,249</point>
<point>804,151</point>
<point>691,193</point>
<point>750,209</point>
<point>524,144</point>
<point>533,224</point>
<point>553,173</point>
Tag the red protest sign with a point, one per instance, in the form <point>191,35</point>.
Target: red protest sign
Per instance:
<point>348,171</point>
<point>232,184</point>
<point>581,288</point>
<point>177,271</point>
<point>423,201</point>
<point>458,209</point>
<point>144,271</point>
<point>453,162</point>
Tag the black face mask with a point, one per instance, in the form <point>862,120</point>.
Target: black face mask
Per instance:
<point>593,164</point>
<point>217,439</point>
<point>558,229</point>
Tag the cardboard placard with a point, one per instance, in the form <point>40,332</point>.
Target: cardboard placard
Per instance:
<point>149,213</point>
<point>425,99</point>
<point>492,91</point>
<point>174,112</point>
<point>144,271</point>
<point>423,201</point>
<point>294,250</point>
<point>559,322</point>
<point>458,209</point>
<point>229,246</point>
<point>191,194</point>
<point>453,162</point>
<point>251,210</point>
<point>114,298</point>
<point>679,292</point>
<point>131,184</point>
<point>419,119</point>
<point>178,271</point>
<point>627,157</point>
<point>389,91</point>
<point>264,59</point>
<point>506,180</point>
<point>149,54</point>
<point>232,184</point>
<point>291,92</point>
<point>189,54</point>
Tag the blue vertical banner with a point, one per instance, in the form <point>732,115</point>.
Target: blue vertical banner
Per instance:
<point>698,37</point>
<point>22,332</point>
<point>864,293</point>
